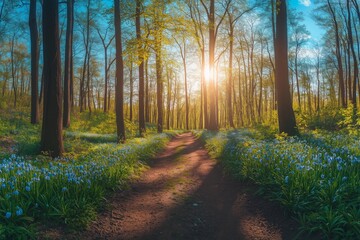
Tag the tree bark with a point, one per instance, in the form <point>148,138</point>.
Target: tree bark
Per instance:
<point>106,67</point>
<point>355,62</point>
<point>182,47</point>
<point>51,135</point>
<point>212,105</point>
<point>142,128</point>
<point>338,57</point>
<point>34,37</point>
<point>119,84</point>
<point>229,83</point>
<point>286,117</point>
<point>131,91</point>
<point>147,93</point>
<point>68,62</point>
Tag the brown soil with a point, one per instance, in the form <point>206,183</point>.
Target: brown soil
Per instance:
<point>185,195</point>
<point>7,145</point>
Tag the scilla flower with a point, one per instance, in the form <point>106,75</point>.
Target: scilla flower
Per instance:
<point>19,211</point>
<point>8,215</point>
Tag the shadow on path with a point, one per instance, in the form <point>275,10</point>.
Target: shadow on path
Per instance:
<point>185,195</point>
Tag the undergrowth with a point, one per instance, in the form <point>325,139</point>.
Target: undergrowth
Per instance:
<point>315,176</point>
<point>70,190</point>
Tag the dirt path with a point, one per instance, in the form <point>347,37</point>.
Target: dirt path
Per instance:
<point>185,195</point>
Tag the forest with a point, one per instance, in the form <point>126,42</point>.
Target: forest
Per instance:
<point>179,119</point>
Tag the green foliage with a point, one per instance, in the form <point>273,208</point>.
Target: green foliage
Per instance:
<point>327,119</point>
<point>22,137</point>
<point>316,177</point>
<point>350,120</point>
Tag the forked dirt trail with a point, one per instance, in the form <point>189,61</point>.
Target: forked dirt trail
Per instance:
<point>185,195</point>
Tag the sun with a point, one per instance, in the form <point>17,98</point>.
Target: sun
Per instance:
<point>208,73</point>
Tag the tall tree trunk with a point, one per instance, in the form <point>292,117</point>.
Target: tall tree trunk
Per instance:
<point>106,82</point>
<point>13,70</point>
<point>261,83</point>
<point>142,128</point>
<point>356,67</point>
<point>182,47</point>
<point>68,62</point>
<point>159,88</point>
<point>338,57</point>
<point>212,106</point>
<point>72,80</point>
<point>318,83</point>
<point>168,99</point>
<point>51,135</point>
<point>297,78</point>
<point>147,93</point>
<point>109,98</point>
<point>34,63</point>
<point>119,83</point>
<point>82,101</point>
<point>106,67</point>
<point>229,83</point>
<point>286,117</point>
<point>205,93</point>
<point>177,100</point>
<point>89,80</point>
<point>240,113</point>
<point>355,62</point>
<point>186,90</point>
<point>131,91</point>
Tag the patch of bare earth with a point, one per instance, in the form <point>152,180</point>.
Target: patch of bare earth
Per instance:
<point>7,145</point>
<point>185,195</point>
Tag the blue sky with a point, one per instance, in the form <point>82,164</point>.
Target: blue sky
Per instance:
<point>307,7</point>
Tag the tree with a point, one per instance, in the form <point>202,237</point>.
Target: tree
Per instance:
<point>183,52</point>
<point>142,128</point>
<point>286,117</point>
<point>51,135</point>
<point>34,38</point>
<point>356,67</point>
<point>232,19</point>
<point>299,38</point>
<point>119,84</point>
<point>68,78</point>
<point>198,33</point>
<point>338,54</point>
<point>213,30</point>
<point>106,65</point>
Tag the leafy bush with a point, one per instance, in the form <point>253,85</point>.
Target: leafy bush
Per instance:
<point>327,119</point>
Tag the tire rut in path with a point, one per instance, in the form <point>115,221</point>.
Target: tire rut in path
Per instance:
<point>185,195</point>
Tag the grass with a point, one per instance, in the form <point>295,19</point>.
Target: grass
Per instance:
<point>70,190</point>
<point>316,176</point>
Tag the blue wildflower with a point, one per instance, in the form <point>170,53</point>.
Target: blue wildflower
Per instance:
<point>19,211</point>
<point>286,179</point>
<point>64,189</point>
<point>28,188</point>
<point>8,215</point>
<point>339,167</point>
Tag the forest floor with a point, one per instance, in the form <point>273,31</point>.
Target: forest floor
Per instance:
<point>186,195</point>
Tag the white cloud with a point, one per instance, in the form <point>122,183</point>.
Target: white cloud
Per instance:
<point>306,3</point>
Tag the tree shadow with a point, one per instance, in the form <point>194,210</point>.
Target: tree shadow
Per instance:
<point>222,208</point>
